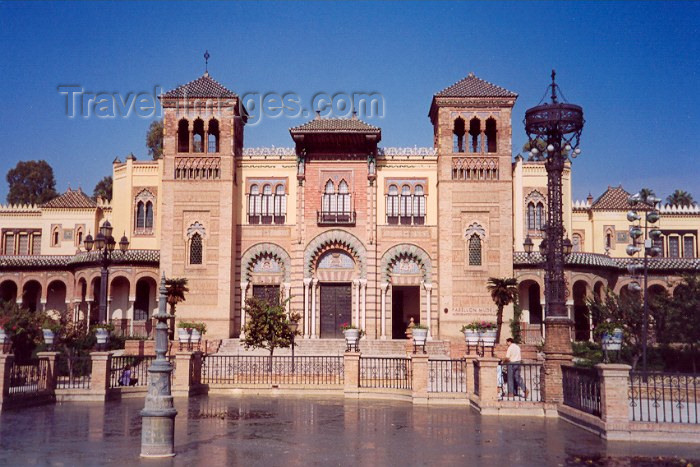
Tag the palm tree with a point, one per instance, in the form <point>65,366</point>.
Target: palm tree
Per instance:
<point>503,292</point>
<point>646,193</point>
<point>176,289</point>
<point>680,198</point>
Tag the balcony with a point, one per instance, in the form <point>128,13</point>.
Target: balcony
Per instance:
<point>335,217</point>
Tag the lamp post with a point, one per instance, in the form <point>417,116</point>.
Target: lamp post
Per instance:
<point>650,234</point>
<point>104,244</point>
<point>293,325</point>
<point>554,129</point>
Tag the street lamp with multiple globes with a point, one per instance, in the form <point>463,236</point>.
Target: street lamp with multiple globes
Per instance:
<point>104,243</point>
<point>650,233</point>
<point>554,129</point>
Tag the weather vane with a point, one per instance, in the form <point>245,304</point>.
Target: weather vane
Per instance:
<point>206,61</point>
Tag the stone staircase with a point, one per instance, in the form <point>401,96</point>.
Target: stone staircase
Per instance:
<point>368,347</point>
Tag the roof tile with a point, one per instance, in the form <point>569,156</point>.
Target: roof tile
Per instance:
<point>71,199</point>
<point>471,86</point>
<point>204,86</point>
<point>335,125</point>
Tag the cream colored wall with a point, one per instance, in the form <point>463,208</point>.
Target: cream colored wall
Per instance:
<point>390,168</point>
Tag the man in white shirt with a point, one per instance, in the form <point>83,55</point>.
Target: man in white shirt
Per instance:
<point>513,360</point>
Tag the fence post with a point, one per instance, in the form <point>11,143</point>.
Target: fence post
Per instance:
<point>469,373</point>
<point>99,380</point>
<point>351,360</point>
<point>6,361</point>
<point>181,375</point>
<point>614,387</point>
<point>488,384</point>
<point>197,371</point>
<point>419,378</point>
<point>51,376</point>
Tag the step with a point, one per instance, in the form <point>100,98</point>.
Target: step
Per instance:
<point>337,347</point>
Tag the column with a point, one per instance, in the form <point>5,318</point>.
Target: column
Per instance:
<point>314,282</point>
<point>130,315</point>
<point>419,378</point>
<point>356,303</point>
<point>428,292</point>
<point>614,403</point>
<point>363,308</point>
<point>244,288</point>
<point>287,287</point>
<point>384,286</point>
<point>307,283</point>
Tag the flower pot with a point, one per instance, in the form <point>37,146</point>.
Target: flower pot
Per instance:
<point>48,336</point>
<point>488,337</point>
<point>352,336</point>
<point>612,341</point>
<point>471,336</point>
<point>419,336</point>
<point>196,336</point>
<point>102,335</point>
<point>183,335</point>
<point>3,336</point>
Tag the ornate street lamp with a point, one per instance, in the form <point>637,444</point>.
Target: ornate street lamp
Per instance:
<point>104,243</point>
<point>553,129</point>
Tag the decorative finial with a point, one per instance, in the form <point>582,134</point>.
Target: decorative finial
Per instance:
<point>206,61</point>
<point>554,87</point>
<point>470,75</point>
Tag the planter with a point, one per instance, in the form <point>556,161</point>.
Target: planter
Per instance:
<point>612,341</point>
<point>102,335</point>
<point>48,336</point>
<point>471,336</point>
<point>488,337</point>
<point>419,336</point>
<point>196,336</point>
<point>3,336</point>
<point>183,335</point>
<point>352,337</point>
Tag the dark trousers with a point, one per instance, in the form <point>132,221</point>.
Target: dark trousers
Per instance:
<point>515,378</point>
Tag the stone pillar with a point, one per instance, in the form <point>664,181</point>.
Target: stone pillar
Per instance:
<point>469,372</point>
<point>99,380</point>
<point>307,283</point>
<point>355,318</point>
<point>49,384</point>
<point>244,289</point>
<point>384,286</point>
<point>181,375</point>
<point>287,302</point>
<point>614,387</point>
<point>557,350</point>
<point>130,314</point>
<point>488,383</point>
<point>363,302</point>
<point>419,378</point>
<point>428,292</point>
<point>6,361</point>
<point>314,283</point>
<point>352,373</point>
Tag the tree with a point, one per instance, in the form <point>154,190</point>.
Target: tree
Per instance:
<point>684,319</point>
<point>645,194</point>
<point>176,288</point>
<point>267,325</point>
<point>31,182</point>
<point>680,198</point>
<point>71,338</point>
<point>23,327</point>
<point>154,139</point>
<point>103,189</point>
<point>503,293</point>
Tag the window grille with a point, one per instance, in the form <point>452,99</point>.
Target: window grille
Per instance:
<point>36,243</point>
<point>673,247</point>
<point>266,215</point>
<point>140,216</point>
<point>392,205</point>
<point>24,243</point>
<point>149,215</point>
<point>9,244</point>
<point>474,250</point>
<point>405,205</point>
<point>539,216</point>
<point>196,249</point>
<point>689,247</point>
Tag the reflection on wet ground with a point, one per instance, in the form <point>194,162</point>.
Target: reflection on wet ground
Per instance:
<point>287,430</point>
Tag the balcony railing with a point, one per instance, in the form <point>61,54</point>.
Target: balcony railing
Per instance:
<point>336,217</point>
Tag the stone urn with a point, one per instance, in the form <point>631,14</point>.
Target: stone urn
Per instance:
<point>471,336</point>
<point>612,341</point>
<point>352,338</point>
<point>420,335</point>
<point>48,336</point>
<point>183,335</point>
<point>488,337</point>
<point>101,334</point>
<point>196,336</point>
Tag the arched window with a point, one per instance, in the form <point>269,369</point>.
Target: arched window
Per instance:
<point>343,197</point>
<point>577,242</point>
<point>196,249</point>
<point>149,215</point>
<point>78,237</point>
<point>55,239</point>
<point>280,204</point>
<point>608,240</point>
<point>392,205</point>
<point>330,203</point>
<point>267,204</point>
<point>254,205</point>
<point>539,216</point>
<point>405,205</point>
<point>475,135</point>
<point>490,133</point>
<point>140,215</point>
<point>458,131</point>
<point>213,136</point>
<point>183,136</point>
<point>198,136</point>
<point>419,205</point>
<point>474,250</point>
<point>531,216</point>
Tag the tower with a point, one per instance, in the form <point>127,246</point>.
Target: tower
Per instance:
<point>472,134</point>
<point>203,134</point>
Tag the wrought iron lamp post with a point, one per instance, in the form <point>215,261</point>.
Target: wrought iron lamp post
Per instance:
<point>650,234</point>
<point>293,326</point>
<point>553,129</point>
<point>104,244</point>
<point>158,414</point>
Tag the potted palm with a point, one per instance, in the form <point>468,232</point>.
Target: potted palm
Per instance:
<point>471,333</point>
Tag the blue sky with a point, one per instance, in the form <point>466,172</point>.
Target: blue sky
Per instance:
<point>634,67</point>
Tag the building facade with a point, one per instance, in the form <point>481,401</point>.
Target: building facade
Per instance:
<point>339,228</point>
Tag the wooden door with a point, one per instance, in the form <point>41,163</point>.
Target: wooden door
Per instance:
<point>336,309</point>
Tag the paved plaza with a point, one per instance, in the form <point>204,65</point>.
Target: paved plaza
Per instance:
<point>293,430</point>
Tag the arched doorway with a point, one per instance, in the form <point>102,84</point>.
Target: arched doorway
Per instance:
<point>8,291</point>
<point>582,326</point>
<point>56,297</point>
<point>31,295</point>
<point>530,300</point>
<point>334,272</point>
<point>144,306</point>
<point>119,304</point>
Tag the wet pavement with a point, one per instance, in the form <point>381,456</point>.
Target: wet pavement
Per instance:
<point>291,431</point>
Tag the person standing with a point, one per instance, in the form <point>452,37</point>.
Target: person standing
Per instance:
<point>513,360</point>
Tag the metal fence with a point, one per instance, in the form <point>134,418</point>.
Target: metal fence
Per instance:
<point>28,379</point>
<point>129,371</point>
<point>664,397</point>
<point>521,381</point>
<point>476,377</point>
<point>385,372</point>
<point>447,375</point>
<point>263,369</point>
<point>73,373</point>
<point>582,389</point>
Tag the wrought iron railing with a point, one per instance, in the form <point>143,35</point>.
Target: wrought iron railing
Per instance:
<point>582,389</point>
<point>28,379</point>
<point>73,373</point>
<point>664,397</point>
<point>521,382</point>
<point>263,369</point>
<point>336,217</point>
<point>475,366</point>
<point>129,371</point>
<point>385,372</point>
<point>447,375</point>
